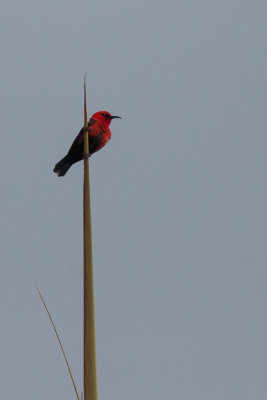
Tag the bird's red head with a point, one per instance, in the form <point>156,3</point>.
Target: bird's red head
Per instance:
<point>103,116</point>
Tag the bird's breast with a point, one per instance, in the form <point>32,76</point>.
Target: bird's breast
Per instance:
<point>100,140</point>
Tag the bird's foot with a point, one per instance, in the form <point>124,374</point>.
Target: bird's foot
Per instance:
<point>86,156</point>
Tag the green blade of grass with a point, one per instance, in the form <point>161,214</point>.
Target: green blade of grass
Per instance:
<point>60,343</point>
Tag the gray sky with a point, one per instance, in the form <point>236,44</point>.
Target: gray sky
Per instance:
<point>177,197</point>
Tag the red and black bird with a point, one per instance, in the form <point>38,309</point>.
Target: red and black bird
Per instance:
<point>99,134</point>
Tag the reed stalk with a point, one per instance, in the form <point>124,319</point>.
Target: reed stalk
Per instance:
<point>89,355</point>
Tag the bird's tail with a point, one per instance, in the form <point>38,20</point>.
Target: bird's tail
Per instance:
<point>62,166</point>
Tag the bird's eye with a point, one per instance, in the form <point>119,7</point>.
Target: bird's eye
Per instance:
<point>105,115</point>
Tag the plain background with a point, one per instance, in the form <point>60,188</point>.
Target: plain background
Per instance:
<point>177,197</point>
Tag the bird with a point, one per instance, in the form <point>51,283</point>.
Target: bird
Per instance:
<point>99,134</point>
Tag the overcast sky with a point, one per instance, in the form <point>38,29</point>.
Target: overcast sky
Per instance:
<point>177,197</point>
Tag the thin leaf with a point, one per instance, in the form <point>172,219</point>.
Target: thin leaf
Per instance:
<point>59,341</point>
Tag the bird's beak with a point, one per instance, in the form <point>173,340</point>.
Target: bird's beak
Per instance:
<point>114,116</point>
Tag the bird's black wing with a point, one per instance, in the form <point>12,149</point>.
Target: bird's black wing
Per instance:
<point>76,149</point>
